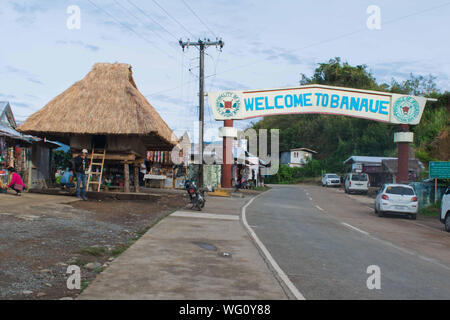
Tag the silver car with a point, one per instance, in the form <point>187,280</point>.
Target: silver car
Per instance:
<point>397,198</point>
<point>331,180</point>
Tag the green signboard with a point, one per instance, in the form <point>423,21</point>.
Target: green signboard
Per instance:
<point>440,169</point>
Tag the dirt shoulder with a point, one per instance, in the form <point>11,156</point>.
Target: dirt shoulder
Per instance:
<point>40,235</point>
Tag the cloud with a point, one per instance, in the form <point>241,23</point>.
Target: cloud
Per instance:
<point>166,98</point>
<point>21,104</point>
<point>27,8</point>
<point>223,84</point>
<point>87,46</point>
<point>26,12</point>
<point>22,74</point>
<point>7,96</point>
<point>33,80</point>
<point>401,70</point>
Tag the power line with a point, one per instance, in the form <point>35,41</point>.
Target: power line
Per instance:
<point>315,44</point>
<point>338,37</point>
<point>148,16</point>
<point>199,19</point>
<point>170,16</point>
<point>138,19</point>
<point>131,29</point>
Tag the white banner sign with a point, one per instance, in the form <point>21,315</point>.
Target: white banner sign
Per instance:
<point>372,105</point>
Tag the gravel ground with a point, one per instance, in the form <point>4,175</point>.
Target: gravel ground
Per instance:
<point>41,235</point>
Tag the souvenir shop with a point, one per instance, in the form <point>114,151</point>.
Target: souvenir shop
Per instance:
<point>14,152</point>
<point>161,172</point>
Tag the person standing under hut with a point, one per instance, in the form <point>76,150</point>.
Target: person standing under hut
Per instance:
<point>81,163</point>
<point>16,182</point>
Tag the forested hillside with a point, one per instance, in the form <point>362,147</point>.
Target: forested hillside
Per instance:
<point>338,137</point>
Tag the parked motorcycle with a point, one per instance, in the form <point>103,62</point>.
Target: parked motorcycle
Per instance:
<point>197,197</point>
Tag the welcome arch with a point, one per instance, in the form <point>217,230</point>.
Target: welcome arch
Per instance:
<point>403,110</point>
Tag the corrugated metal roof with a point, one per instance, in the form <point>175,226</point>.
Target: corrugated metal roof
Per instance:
<point>367,159</point>
<point>3,105</point>
<point>304,149</point>
<point>9,132</point>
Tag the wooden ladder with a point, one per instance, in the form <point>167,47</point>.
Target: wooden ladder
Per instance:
<point>99,174</point>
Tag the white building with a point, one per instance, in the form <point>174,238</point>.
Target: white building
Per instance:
<point>297,157</point>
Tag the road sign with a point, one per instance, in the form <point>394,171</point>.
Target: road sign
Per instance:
<point>367,104</point>
<point>440,169</point>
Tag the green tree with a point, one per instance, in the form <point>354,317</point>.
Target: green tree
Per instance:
<point>62,159</point>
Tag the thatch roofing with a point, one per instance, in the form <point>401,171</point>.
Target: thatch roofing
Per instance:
<point>105,102</point>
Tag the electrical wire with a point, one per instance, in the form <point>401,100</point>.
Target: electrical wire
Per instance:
<point>315,44</point>
<point>139,20</point>
<point>131,29</point>
<point>148,16</point>
<point>199,19</point>
<point>171,17</point>
<point>341,36</point>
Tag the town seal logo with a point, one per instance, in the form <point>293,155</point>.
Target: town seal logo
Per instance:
<point>228,104</point>
<point>406,109</point>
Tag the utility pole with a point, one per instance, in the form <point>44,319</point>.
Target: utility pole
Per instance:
<point>201,45</point>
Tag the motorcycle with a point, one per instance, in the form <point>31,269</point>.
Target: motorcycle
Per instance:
<point>197,197</point>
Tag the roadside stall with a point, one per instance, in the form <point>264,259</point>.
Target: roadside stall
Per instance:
<point>106,114</point>
<point>161,171</point>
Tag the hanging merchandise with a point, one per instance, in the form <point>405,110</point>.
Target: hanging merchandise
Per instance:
<point>11,157</point>
<point>18,158</point>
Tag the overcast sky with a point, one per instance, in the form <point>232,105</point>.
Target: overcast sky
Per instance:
<point>267,44</point>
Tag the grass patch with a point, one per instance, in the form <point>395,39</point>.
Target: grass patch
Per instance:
<point>141,232</point>
<point>81,262</point>
<point>433,210</point>
<point>93,251</point>
<point>83,285</point>
<point>118,250</point>
<point>99,269</point>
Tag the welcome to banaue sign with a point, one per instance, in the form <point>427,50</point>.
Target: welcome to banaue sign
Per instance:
<point>320,99</point>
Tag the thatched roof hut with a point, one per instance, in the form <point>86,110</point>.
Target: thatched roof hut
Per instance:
<point>104,106</point>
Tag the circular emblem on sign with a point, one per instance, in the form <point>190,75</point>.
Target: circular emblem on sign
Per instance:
<point>406,109</point>
<point>228,104</point>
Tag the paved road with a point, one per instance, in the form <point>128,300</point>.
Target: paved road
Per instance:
<point>326,259</point>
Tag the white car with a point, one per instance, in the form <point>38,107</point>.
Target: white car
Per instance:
<point>331,180</point>
<point>445,209</point>
<point>397,198</point>
<point>357,183</point>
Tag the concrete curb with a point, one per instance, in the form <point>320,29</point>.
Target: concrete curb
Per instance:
<point>281,276</point>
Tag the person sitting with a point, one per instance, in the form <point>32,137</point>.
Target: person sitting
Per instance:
<point>16,182</point>
<point>67,179</point>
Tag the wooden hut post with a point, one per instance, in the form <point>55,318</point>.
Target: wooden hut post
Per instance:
<point>30,170</point>
<point>136,177</point>
<point>126,173</point>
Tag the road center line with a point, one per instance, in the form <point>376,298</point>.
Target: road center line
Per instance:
<point>319,208</point>
<point>355,228</point>
<point>268,256</point>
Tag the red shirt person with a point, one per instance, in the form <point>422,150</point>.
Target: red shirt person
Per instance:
<point>16,183</point>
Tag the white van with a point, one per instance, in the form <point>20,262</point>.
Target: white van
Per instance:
<point>356,183</point>
<point>445,209</point>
